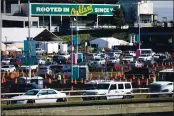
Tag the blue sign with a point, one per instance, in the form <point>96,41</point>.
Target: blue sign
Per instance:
<point>76,40</point>
<point>30,46</point>
<point>137,39</point>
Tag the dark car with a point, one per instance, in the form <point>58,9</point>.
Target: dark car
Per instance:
<point>163,59</point>
<point>59,59</point>
<point>23,87</point>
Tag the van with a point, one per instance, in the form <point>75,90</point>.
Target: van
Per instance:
<point>161,86</point>
<point>119,89</point>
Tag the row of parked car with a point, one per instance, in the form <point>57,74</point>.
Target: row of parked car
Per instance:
<point>111,59</point>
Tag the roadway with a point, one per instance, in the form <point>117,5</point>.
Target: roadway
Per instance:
<point>101,107</point>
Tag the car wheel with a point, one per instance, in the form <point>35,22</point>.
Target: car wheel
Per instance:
<point>60,100</point>
<point>103,98</point>
<point>30,101</point>
<point>127,97</point>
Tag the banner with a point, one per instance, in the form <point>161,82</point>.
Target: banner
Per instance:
<point>72,9</point>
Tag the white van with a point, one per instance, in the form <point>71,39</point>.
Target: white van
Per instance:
<point>161,86</point>
<point>110,88</point>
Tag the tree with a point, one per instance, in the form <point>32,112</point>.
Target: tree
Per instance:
<point>132,16</point>
<point>118,18</point>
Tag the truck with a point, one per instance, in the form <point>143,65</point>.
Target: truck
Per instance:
<point>49,47</point>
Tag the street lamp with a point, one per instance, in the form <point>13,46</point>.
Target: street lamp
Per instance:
<point>138,13</point>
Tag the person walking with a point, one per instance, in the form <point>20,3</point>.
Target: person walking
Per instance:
<point>59,78</point>
<point>153,79</point>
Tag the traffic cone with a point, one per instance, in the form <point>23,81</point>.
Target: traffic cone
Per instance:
<point>133,77</point>
<point>131,80</point>
<point>147,82</point>
<point>139,83</point>
<point>72,81</point>
<point>64,81</point>
<point>82,80</point>
<point>143,77</point>
<point>90,76</point>
<point>16,81</point>
<point>124,77</point>
<point>45,76</point>
<point>49,81</point>
<point>149,77</point>
<point>75,81</point>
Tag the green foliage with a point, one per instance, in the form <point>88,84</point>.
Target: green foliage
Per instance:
<point>68,38</point>
<point>118,18</point>
<point>133,16</point>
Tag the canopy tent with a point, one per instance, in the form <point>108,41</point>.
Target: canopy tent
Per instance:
<point>13,48</point>
<point>3,47</point>
<point>17,45</point>
<point>108,42</point>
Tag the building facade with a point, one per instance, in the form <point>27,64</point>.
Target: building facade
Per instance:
<point>53,15</point>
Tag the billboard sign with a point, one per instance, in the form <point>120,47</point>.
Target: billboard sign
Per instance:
<point>72,9</point>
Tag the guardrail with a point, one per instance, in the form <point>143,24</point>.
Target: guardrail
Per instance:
<point>71,91</point>
<point>81,96</point>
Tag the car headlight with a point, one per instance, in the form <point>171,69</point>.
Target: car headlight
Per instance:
<point>165,90</point>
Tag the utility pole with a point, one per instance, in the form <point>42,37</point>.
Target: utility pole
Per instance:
<point>29,39</point>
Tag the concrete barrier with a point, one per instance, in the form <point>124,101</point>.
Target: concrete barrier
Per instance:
<point>93,108</point>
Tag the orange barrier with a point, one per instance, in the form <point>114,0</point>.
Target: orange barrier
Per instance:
<point>81,80</point>
<point>90,76</point>
<point>84,81</point>
<point>139,83</point>
<point>142,76</point>
<point>45,76</point>
<point>72,81</point>
<point>16,81</point>
<point>64,81</point>
<point>75,81</point>
<point>133,77</point>
<point>147,82</point>
<point>49,81</point>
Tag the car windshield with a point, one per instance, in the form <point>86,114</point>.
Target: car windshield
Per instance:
<point>112,58</point>
<point>127,57</point>
<point>143,55</point>
<point>132,62</point>
<point>96,59</point>
<point>6,59</point>
<point>102,86</point>
<point>146,52</point>
<point>5,66</point>
<point>42,68</point>
<point>32,92</point>
<point>111,54</point>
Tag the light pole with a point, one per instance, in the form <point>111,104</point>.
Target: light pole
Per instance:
<point>139,46</point>
<point>29,40</point>
<point>71,48</point>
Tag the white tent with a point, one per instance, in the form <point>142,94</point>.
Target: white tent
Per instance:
<point>17,45</point>
<point>108,42</point>
<point>3,47</point>
<point>13,48</point>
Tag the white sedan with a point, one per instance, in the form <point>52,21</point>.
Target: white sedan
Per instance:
<point>39,95</point>
<point>8,68</point>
